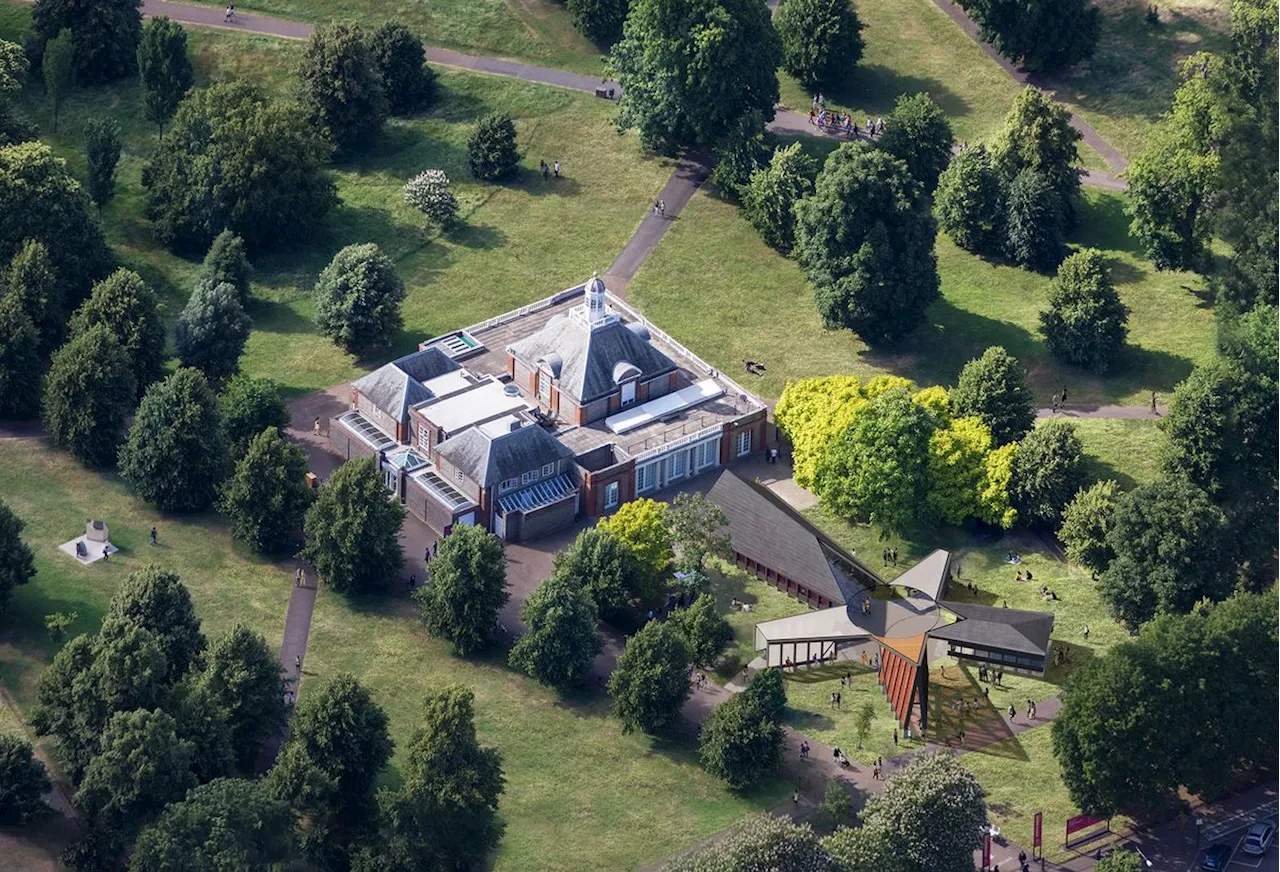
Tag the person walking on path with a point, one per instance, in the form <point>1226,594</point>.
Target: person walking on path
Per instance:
<point>315,426</point>
<point>297,578</point>
<point>662,208</point>
<point>153,536</point>
<point>297,663</point>
<point>556,168</point>
<point>1153,403</point>
<point>544,169</point>
<point>895,737</point>
<point>1064,396</point>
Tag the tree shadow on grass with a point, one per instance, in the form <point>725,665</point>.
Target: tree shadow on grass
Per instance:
<point>807,721</point>
<point>874,88</point>
<point>470,235</point>
<point>276,316</point>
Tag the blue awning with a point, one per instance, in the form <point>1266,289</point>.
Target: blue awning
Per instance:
<point>535,496</point>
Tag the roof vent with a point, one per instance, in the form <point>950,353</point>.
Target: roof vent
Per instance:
<point>511,391</point>
<point>515,425</point>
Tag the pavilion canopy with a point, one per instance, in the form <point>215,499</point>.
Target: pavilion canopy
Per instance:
<point>929,576</point>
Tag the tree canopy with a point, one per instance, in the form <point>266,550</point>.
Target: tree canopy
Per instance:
<point>342,86</point>
<point>599,20</point>
<point>492,154</point>
<point>87,396</point>
<point>233,159</point>
<point>23,782</point>
<point>1037,135</point>
<point>126,305</point>
<point>741,740</point>
<point>918,134</point>
<point>176,456</point>
<point>409,84</point>
<point>358,297</point>
<point>105,34</point>
<point>212,330</point>
<point>1086,323</point>
<point>769,199</point>
<point>650,684</point>
<point>156,600</point>
<point>690,68</point>
<point>1042,35</point>
<point>1034,222</point>
<point>102,153</point>
<point>643,526</point>
<point>21,363</point>
<point>993,388</point>
<point>352,529</point>
<point>778,844</point>
<point>821,41</point>
<point>1085,523</point>
<point>561,641</point>
<point>164,68</point>
<point>248,406</point>
<point>240,677</point>
<point>970,202</point>
<point>266,498</point>
<point>602,565</point>
<point>704,628</point>
<point>467,588</point>
<point>226,261</point>
<point>34,285</point>
<point>865,239</point>
<point>17,563</point>
<point>1048,471</point>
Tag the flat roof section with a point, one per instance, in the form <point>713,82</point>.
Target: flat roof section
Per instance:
<point>481,402</point>
<point>676,401</point>
<point>449,383</point>
<point>825,625</point>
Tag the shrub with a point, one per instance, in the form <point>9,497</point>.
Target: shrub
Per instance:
<point>1085,324</point>
<point>431,194</point>
<point>357,298</point>
<point>409,84</point>
<point>770,198</point>
<point>491,150</point>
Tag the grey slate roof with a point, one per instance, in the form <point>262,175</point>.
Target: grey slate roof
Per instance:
<point>396,386</point>
<point>765,529</point>
<point>1014,630</point>
<point>492,459</point>
<point>588,358</point>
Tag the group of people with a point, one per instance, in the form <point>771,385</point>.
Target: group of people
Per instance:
<point>835,700</point>
<point>1060,400</point>
<point>1023,576</point>
<point>877,770</point>
<point>889,557</point>
<point>1031,710</point>
<point>660,207</point>
<point>842,121</point>
<point>548,170</point>
<point>230,14</point>
<point>771,455</point>
<point>1045,593</point>
<point>738,605</point>
<point>995,676</point>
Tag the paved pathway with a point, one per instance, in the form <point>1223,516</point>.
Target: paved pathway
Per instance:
<point>293,659</point>
<point>1081,410</point>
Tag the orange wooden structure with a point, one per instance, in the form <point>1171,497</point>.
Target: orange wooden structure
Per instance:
<point>904,676</point>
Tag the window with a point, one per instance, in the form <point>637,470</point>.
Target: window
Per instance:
<point>392,479</point>
<point>675,466</point>
<point>508,485</point>
<point>424,437</point>
<point>628,393</point>
<point>528,477</point>
<point>611,495</point>
<point>646,477</point>
<point>708,454</point>
<point>544,386</point>
<point>548,470</point>
<point>744,443</point>
<point>458,475</point>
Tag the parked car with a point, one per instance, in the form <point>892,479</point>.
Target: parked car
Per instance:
<point>1258,839</point>
<point>1216,858</point>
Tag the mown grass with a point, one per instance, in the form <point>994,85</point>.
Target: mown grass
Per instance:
<point>1127,451</point>
<point>517,242</point>
<point>580,794</point>
<point>720,290</point>
<point>767,603</point>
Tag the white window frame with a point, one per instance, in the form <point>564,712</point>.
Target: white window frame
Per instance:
<point>458,474</point>
<point>744,443</point>
<point>612,495</point>
<point>647,473</point>
<point>548,470</point>
<point>672,473</point>
<point>528,477</point>
<point>544,386</point>
<point>708,454</point>
<point>424,437</point>
<point>508,485</point>
<point>628,393</point>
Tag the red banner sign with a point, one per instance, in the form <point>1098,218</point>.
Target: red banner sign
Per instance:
<point>1039,830</point>
<point>1079,822</point>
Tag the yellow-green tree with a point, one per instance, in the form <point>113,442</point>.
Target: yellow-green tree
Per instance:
<point>643,527</point>
<point>967,479</point>
<point>996,507</point>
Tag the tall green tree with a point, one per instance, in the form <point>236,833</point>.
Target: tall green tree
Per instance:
<point>176,456</point>
<point>468,587</point>
<point>226,824</point>
<point>865,239</point>
<point>1247,338</point>
<point>930,814</point>
<point>156,600</point>
<point>877,470</point>
<point>445,816</point>
<point>741,740</point>
<point>14,127</point>
<point>105,34</point>
<point>706,631</point>
<point>918,134</point>
<point>698,531</point>
<point>561,641</point>
<point>993,387</point>
<point>409,84</point>
<point>212,330</point>
<point>266,498</point>
<point>126,305</point>
<point>17,564</point>
<point>23,782</point>
<point>1034,223</point>
<point>87,395</point>
<point>650,684</point>
<point>142,767</point>
<point>352,529</point>
<point>234,160</point>
<point>1041,35</point>
<point>241,676</point>
<point>1171,551</point>
<point>599,20</point>
<point>343,732</point>
<point>358,297</point>
<point>102,153</point>
<point>961,484</point>
<point>492,154</point>
<point>821,41</point>
<point>248,406</point>
<point>20,362</point>
<point>770,197</point>
<point>740,151</point>
<point>31,279</point>
<point>164,67</point>
<point>970,202</point>
<point>342,87</point>
<point>1048,471</point>
<point>644,528</point>
<point>1085,523</point>
<point>602,565</point>
<point>1086,323</point>
<point>689,68</point>
<point>1037,135</point>
<point>41,201</point>
<point>59,71</point>
<point>227,261</point>
<point>1169,186</point>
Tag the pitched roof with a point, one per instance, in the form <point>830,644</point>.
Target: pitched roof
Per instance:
<point>489,459</point>
<point>765,529</point>
<point>395,386</point>
<point>929,576</point>
<point>1014,630</point>
<point>588,359</point>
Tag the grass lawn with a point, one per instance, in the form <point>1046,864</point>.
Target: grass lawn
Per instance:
<point>1127,451</point>
<point>628,800</point>
<point>517,243</point>
<point>729,297</point>
<point>728,582</point>
<point>1130,80</point>
<point>1022,777</point>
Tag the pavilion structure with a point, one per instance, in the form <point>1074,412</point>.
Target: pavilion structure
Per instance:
<point>849,625</point>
